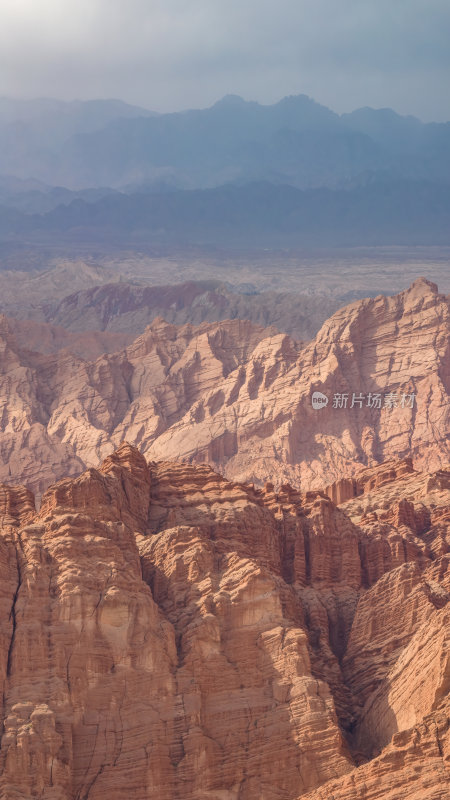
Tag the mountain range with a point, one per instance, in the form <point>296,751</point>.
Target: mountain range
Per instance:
<point>233,394</point>
<point>295,141</point>
<point>254,215</point>
<point>126,308</point>
<point>224,453</point>
<point>237,174</point>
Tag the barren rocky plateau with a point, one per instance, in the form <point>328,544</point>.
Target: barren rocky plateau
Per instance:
<point>167,634</point>
<point>234,394</point>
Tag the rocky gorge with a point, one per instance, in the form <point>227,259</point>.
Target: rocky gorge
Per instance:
<point>168,633</point>
<point>224,550</point>
<point>234,395</point>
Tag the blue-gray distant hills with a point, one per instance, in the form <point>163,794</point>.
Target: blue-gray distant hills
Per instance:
<point>254,215</point>
<point>236,173</point>
<point>295,141</point>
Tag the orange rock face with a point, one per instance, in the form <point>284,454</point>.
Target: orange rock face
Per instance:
<point>259,423</point>
<point>238,396</point>
<point>60,413</point>
<point>167,633</point>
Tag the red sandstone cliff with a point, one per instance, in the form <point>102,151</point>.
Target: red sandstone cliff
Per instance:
<point>260,422</point>
<point>238,396</point>
<point>167,633</point>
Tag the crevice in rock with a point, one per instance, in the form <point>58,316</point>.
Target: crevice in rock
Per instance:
<point>12,614</point>
<point>363,562</point>
<point>306,544</point>
<point>85,796</point>
<point>287,541</point>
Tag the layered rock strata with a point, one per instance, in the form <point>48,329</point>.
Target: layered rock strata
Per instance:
<point>170,634</point>
<point>239,397</point>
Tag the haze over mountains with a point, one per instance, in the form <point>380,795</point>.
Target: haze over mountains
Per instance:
<point>295,141</point>
<point>32,132</point>
<point>238,588</point>
<point>127,308</point>
<point>238,173</point>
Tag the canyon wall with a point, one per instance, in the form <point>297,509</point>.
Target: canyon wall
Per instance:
<point>168,633</point>
<point>239,397</point>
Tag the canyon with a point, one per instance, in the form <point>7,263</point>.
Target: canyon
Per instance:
<point>233,394</point>
<point>169,633</point>
<point>224,428</point>
<point>211,588</point>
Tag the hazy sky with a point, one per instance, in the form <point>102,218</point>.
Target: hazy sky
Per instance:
<point>173,54</point>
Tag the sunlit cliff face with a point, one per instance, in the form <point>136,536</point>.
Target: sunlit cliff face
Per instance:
<point>203,622</point>
<point>239,397</point>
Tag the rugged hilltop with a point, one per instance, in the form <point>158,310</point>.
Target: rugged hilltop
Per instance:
<point>238,396</point>
<point>125,309</point>
<point>167,633</point>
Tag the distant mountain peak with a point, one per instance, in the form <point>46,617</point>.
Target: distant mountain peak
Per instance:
<point>385,114</point>
<point>296,98</point>
<point>232,100</point>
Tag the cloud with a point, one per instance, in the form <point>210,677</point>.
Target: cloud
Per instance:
<point>169,54</point>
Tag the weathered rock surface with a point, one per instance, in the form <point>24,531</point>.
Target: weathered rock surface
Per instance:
<point>238,396</point>
<point>260,421</point>
<point>60,413</point>
<point>127,308</point>
<point>170,634</point>
<point>414,766</point>
<point>346,488</point>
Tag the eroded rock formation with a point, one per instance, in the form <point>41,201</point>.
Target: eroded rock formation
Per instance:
<point>167,633</point>
<point>127,308</point>
<point>238,396</point>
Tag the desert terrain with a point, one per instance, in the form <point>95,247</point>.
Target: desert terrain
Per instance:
<point>224,450</point>
<point>168,633</point>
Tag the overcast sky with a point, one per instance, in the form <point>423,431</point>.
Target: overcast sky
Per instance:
<point>173,54</point>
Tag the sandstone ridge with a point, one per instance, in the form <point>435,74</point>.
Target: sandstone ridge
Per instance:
<point>168,634</point>
<point>238,396</point>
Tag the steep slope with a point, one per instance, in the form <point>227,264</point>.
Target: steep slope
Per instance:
<point>107,318</point>
<point>169,634</point>
<point>397,660</point>
<point>414,766</point>
<point>60,412</point>
<point>239,396</point>
<point>260,420</point>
